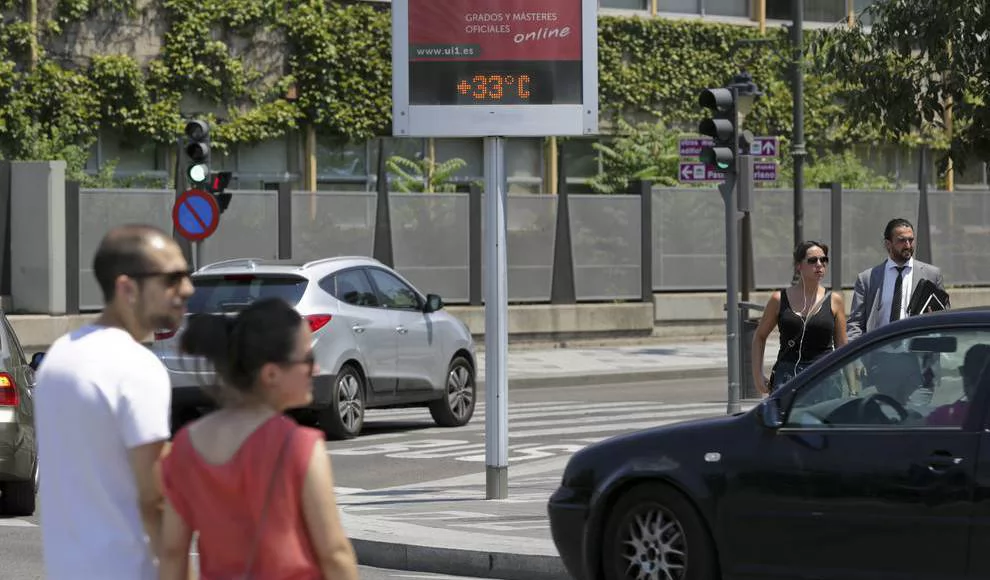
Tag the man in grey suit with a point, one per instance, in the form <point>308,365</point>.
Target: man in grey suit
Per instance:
<point>881,296</point>
<point>881,293</point>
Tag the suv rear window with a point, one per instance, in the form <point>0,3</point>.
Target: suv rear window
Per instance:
<point>233,292</point>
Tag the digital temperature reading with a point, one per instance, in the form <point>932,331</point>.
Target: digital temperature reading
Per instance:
<point>495,89</point>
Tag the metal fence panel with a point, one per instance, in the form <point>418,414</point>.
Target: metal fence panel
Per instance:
<point>960,231</point>
<point>605,233</point>
<point>328,224</point>
<point>430,242</point>
<point>248,229</point>
<point>102,209</point>
<point>864,216</point>
<point>688,239</point>
<point>773,233</point>
<point>531,225</point>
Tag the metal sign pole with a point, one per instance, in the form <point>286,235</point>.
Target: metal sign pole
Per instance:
<point>496,323</point>
<point>198,256</point>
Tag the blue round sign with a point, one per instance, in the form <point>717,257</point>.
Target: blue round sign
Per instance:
<point>196,215</point>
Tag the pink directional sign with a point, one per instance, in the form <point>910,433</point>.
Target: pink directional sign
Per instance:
<point>765,171</point>
<point>691,172</point>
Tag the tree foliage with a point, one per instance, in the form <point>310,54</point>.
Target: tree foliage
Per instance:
<point>917,59</point>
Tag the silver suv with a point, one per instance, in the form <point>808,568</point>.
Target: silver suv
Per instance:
<point>18,446</point>
<point>378,341</point>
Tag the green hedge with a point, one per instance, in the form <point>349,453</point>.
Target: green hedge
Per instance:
<point>340,66</point>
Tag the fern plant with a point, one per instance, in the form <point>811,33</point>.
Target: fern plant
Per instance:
<point>424,175</point>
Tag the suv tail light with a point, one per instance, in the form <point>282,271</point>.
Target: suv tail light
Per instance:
<point>164,334</point>
<point>8,391</point>
<point>317,321</point>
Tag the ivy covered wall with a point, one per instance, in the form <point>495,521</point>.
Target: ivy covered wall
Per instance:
<point>265,67</point>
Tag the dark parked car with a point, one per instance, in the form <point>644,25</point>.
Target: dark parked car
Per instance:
<point>18,446</point>
<point>874,463</point>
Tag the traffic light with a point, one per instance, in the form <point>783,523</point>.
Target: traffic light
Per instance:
<point>722,127</point>
<point>197,152</point>
<point>218,183</point>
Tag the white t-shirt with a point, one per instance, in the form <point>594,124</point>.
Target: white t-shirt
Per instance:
<point>99,393</point>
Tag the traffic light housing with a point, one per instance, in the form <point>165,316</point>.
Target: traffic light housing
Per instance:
<point>722,127</point>
<point>218,183</point>
<point>197,152</point>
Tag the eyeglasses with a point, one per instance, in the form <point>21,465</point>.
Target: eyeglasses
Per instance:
<point>172,279</point>
<point>816,259</point>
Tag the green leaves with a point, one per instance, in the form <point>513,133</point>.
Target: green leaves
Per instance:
<point>240,61</point>
<point>918,59</point>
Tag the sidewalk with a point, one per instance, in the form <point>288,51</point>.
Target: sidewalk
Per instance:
<point>448,527</point>
<point>557,367</point>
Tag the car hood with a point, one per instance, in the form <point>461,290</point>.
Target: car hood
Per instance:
<point>658,449</point>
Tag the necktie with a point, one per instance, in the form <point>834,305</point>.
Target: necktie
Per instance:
<point>895,301</point>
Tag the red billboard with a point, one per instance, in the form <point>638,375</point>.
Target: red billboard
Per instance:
<point>494,30</point>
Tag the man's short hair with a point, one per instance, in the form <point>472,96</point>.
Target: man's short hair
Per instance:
<point>123,250</point>
<point>893,224</point>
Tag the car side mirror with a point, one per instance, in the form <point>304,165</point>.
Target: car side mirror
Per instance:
<point>433,303</point>
<point>36,359</point>
<point>772,414</point>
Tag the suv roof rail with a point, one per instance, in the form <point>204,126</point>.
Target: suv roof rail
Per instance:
<point>335,259</point>
<point>231,262</point>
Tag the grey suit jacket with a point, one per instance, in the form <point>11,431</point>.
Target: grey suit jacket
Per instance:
<point>864,315</point>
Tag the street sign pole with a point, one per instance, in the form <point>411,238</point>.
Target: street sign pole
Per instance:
<point>496,323</point>
<point>495,69</point>
<point>728,190</point>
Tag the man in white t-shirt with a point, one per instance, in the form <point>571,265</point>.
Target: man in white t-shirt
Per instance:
<point>102,412</point>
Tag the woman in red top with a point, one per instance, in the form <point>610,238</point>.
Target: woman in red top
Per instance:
<point>256,486</point>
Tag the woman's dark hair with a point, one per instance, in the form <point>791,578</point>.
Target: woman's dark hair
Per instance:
<point>264,332</point>
<point>801,250</point>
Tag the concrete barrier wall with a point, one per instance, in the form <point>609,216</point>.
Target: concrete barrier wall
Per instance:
<point>671,317</point>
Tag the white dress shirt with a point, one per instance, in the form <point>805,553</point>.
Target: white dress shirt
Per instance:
<point>889,278</point>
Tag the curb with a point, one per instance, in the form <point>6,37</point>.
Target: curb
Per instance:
<point>586,379</point>
<point>479,563</point>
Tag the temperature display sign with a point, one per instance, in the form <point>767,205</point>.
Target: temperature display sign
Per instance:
<point>495,55</point>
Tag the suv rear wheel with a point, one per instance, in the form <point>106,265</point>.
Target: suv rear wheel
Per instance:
<point>17,498</point>
<point>456,407</point>
<point>344,417</point>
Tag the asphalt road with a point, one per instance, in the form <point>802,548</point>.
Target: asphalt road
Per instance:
<point>404,446</point>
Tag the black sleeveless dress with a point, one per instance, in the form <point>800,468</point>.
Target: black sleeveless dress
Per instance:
<point>802,342</point>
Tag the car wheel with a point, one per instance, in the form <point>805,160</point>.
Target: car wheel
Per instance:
<point>654,532</point>
<point>344,417</point>
<point>456,407</point>
<point>17,498</point>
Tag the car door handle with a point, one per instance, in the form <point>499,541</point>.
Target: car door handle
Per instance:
<point>357,328</point>
<point>401,329</point>
<point>941,461</point>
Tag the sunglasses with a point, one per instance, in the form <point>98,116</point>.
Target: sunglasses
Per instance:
<point>171,279</point>
<point>816,259</point>
<point>309,359</point>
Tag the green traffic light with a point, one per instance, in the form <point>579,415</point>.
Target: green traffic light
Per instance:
<point>198,173</point>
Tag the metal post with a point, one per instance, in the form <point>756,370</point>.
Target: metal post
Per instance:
<point>923,248</point>
<point>72,247</point>
<point>475,253</point>
<point>496,324</point>
<point>646,240</point>
<point>382,249</point>
<point>731,289</point>
<point>797,147</point>
<point>283,201</point>
<point>180,186</point>
<point>836,268</point>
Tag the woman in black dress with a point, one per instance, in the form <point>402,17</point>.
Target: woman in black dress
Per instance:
<point>810,318</point>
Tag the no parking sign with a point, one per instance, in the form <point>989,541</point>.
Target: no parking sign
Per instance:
<point>196,215</point>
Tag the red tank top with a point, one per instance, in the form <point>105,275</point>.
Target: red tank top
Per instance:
<point>223,502</point>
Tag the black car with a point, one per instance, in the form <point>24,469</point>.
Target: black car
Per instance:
<point>874,463</point>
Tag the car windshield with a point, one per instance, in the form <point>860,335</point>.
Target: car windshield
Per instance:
<point>230,293</point>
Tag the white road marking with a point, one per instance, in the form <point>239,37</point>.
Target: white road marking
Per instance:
<point>16,523</point>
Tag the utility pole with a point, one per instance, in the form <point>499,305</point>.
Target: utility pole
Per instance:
<point>797,146</point>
